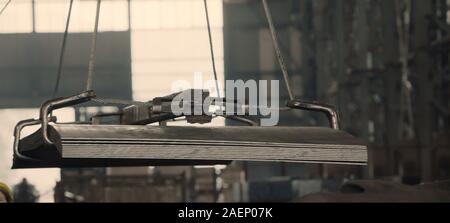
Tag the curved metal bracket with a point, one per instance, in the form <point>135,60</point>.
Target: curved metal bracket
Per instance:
<point>57,103</point>
<point>17,130</point>
<point>328,110</point>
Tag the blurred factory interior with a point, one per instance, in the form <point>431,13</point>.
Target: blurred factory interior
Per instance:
<point>384,64</point>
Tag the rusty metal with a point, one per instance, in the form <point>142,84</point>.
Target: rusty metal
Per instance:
<point>159,109</point>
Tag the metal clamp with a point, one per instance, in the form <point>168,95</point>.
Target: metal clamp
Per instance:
<point>17,130</point>
<point>57,103</point>
<point>328,110</point>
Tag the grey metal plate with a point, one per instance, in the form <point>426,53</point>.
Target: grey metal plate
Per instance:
<point>287,144</point>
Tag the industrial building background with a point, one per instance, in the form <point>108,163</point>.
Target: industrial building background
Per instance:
<point>384,64</point>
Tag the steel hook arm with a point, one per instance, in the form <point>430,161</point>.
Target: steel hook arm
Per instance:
<point>57,103</point>
<point>328,110</point>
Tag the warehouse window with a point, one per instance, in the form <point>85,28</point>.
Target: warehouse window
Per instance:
<point>51,15</point>
<point>169,42</point>
<point>168,37</point>
<point>22,16</point>
<point>17,17</point>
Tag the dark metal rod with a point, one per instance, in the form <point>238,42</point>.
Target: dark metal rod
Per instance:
<point>63,49</point>
<point>277,49</point>
<point>93,47</point>
<point>211,49</point>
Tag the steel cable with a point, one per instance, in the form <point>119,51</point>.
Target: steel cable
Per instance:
<point>277,49</point>
<point>93,48</point>
<point>63,49</point>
